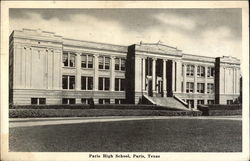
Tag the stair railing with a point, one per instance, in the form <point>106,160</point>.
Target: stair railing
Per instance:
<point>180,100</point>
<point>149,99</point>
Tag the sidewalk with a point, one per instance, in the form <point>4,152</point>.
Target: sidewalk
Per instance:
<point>26,122</point>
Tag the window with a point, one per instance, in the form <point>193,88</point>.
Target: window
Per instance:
<point>90,61</point>
<point>42,101</point>
<point>68,82</point>
<point>190,103</point>
<point>69,59</point>
<point>200,87</point>
<point>210,72</point>
<point>87,83</point>
<point>104,101</point>
<point>68,101</point>
<point>104,83</point>
<point>200,71</point>
<point>210,88</point>
<point>117,64</point>
<point>38,101</point>
<point>120,64</point>
<point>229,102</point>
<point>65,59</point>
<point>119,84</point>
<point>104,62</point>
<point>190,70</point>
<point>200,102</point>
<point>87,61</point>
<point>101,61</point>
<point>210,102</point>
<point>123,61</point>
<point>84,61</point>
<point>189,87</point>
<point>119,101</point>
<point>86,100</point>
<point>107,62</point>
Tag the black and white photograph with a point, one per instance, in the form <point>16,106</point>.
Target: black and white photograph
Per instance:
<point>125,82</point>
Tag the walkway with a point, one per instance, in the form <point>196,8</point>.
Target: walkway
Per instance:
<point>26,122</point>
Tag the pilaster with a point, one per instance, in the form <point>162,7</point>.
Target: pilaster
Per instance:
<point>143,73</point>
<point>173,76</point>
<point>78,71</point>
<point>234,91</point>
<point>96,73</point>
<point>164,78</point>
<point>153,74</point>
<point>195,78</point>
<point>112,73</point>
<point>184,78</point>
<point>205,90</point>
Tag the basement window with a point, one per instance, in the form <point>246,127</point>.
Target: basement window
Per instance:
<point>200,102</point>
<point>104,101</point>
<point>68,101</point>
<point>38,101</point>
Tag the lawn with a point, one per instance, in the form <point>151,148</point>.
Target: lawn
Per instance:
<point>166,135</point>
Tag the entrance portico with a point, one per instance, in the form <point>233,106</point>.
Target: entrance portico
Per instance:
<point>154,69</point>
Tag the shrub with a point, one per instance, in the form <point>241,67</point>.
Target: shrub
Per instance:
<point>27,113</point>
<point>222,110</point>
<point>98,106</point>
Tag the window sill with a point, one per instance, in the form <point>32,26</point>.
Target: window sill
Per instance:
<point>69,67</point>
<point>104,70</point>
<point>122,71</point>
<point>87,68</point>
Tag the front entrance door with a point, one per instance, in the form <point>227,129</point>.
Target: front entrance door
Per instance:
<point>160,87</point>
<point>150,91</point>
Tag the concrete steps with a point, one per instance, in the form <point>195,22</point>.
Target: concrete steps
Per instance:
<point>169,102</point>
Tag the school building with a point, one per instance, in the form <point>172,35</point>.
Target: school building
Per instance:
<point>45,68</point>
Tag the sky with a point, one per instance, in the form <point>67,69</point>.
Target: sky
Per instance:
<point>207,32</point>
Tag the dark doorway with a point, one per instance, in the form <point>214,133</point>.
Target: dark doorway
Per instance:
<point>150,91</point>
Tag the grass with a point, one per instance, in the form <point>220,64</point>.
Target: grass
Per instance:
<point>170,135</point>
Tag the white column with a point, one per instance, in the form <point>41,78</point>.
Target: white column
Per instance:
<point>205,90</point>
<point>184,78</point>
<point>224,79</point>
<point>153,74</point>
<point>78,71</point>
<point>237,82</point>
<point>112,73</point>
<point>173,76</point>
<point>22,64</point>
<point>143,73</point>
<point>164,78</point>
<point>96,72</point>
<point>195,78</point>
<point>234,81</point>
